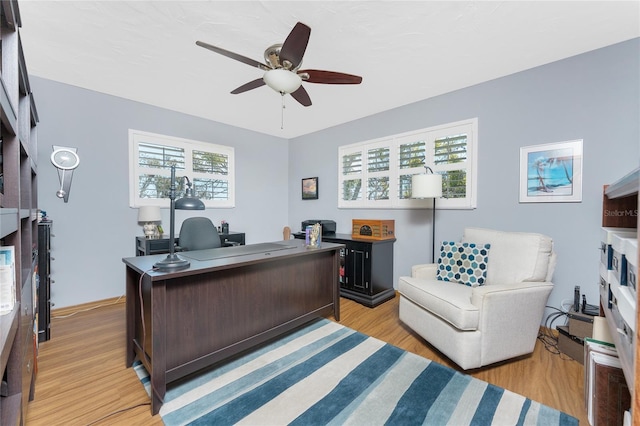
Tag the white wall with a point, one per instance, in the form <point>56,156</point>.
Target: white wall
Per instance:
<point>594,97</point>
<point>96,228</point>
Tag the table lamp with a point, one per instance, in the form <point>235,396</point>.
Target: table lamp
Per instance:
<point>428,185</point>
<point>149,215</point>
<point>173,262</point>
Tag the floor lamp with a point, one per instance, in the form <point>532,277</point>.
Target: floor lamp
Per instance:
<point>428,185</point>
<point>173,262</point>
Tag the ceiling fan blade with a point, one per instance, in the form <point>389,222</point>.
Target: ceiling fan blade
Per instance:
<point>302,96</point>
<point>233,55</point>
<point>248,86</point>
<point>294,46</point>
<point>330,77</point>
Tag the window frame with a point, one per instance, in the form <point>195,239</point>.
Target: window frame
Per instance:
<point>136,137</point>
<point>429,135</point>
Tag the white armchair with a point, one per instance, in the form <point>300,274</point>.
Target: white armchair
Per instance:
<point>477,326</point>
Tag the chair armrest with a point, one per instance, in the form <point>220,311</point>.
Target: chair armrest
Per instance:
<point>427,270</point>
<point>479,293</point>
<point>510,317</point>
<point>511,303</point>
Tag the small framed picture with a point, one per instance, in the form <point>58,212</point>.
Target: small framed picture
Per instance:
<point>551,173</point>
<point>310,188</point>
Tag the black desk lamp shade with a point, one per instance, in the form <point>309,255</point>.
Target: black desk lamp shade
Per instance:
<point>173,262</point>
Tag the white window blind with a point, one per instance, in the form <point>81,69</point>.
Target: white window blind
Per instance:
<point>208,166</point>
<point>377,173</point>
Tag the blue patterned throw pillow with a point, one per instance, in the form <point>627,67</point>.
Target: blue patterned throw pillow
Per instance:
<point>464,263</point>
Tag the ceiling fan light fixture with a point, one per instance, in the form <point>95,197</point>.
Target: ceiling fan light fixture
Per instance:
<point>282,81</point>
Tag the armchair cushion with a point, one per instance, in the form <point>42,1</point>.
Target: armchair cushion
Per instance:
<point>464,263</point>
<point>515,256</point>
<point>451,303</point>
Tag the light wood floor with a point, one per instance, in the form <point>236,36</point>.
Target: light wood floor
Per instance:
<point>82,378</point>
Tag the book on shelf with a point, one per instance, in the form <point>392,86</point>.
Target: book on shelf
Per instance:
<point>7,279</point>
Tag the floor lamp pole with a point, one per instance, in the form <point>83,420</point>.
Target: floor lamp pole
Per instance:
<point>433,231</point>
<point>428,185</point>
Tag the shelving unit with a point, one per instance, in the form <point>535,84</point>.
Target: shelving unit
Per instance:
<point>620,210</point>
<point>18,217</point>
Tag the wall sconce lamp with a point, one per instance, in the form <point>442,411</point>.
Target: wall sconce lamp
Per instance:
<point>428,185</point>
<point>65,159</point>
<point>173,262</point>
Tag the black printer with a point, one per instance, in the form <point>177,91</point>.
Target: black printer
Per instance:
<point>328,226</point>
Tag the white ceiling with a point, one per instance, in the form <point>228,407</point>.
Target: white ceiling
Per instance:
<point>405,50</point>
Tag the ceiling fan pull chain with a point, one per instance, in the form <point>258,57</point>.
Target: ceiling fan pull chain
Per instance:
<point>282,113</point>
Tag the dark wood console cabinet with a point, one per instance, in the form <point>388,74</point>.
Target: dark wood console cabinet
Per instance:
<point>366,268</point>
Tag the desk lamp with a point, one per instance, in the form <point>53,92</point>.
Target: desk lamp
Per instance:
<point>173,262</point>
<point>428,185</point>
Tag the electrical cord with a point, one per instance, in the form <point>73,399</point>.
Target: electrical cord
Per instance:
<point>144,330</point>
<point>566,305</point>
<point>546,336</point>
<point>89,309</point>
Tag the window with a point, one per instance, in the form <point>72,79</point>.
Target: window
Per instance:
<point>377,173</point>
<point>208,166</point>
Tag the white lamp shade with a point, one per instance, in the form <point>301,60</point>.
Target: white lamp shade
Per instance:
<point>149,214</point>
<point>426,186</point>
<point>282,81</point>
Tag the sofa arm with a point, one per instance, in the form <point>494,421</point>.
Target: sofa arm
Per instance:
<point>427,271</point>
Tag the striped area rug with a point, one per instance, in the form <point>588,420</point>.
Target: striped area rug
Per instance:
<point>328,374</point>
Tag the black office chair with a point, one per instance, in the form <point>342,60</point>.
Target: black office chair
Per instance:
<point>198,233</point>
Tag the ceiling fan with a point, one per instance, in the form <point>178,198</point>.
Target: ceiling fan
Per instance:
<point>282,67</point>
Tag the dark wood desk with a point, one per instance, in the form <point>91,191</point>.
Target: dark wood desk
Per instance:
<point>228,301</point>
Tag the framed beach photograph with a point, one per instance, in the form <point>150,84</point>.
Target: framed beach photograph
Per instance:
<point>310,188</point>
<point>551,173</point>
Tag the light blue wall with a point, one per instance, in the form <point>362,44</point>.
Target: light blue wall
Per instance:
<point>594,97</point>
<point>96,228</point>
